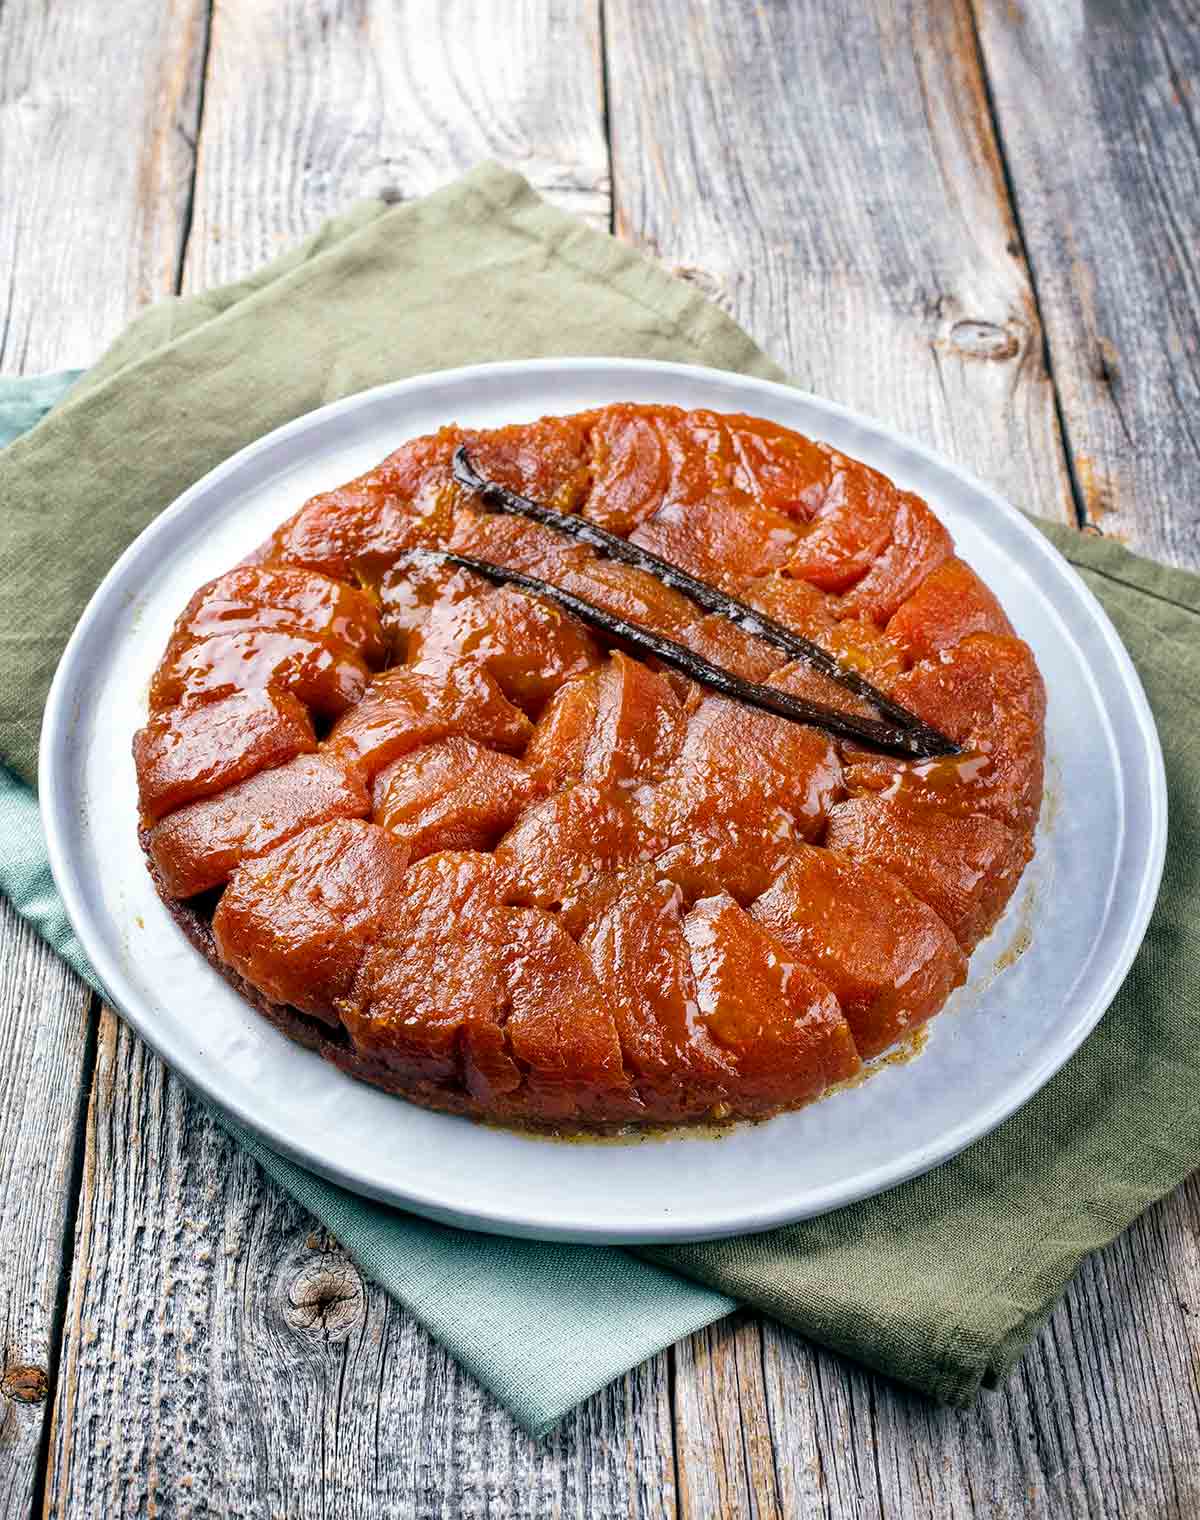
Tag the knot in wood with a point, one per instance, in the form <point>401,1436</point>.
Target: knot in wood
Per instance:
<point>24,1383</point>
<point>709,284</point>
<point>387,180</point>
<point>325,1297</point>
<point>1104,365</point>
<point>984,340</point>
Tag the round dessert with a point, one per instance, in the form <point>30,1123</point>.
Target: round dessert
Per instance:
<point>670,788</point>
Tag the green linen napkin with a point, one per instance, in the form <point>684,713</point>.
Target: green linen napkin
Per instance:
<point>940,1282</point>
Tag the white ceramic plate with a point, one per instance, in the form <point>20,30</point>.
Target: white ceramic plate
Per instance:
<point>1080,913</point>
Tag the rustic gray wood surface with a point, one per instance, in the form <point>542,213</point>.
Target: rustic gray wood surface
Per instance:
<point>978,224</point>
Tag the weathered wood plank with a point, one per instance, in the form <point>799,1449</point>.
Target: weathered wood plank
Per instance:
<point>220,1353</point>
<point>224,1356</point>
<point>42,1069</point>
<point>830,174</point>
<point>723,1440</point>
<point>1098,108</point>
<point>308,109</point>
<point>97,113</point>
<point>97,121</point>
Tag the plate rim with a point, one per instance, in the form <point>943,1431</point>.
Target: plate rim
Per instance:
<point>53,768</point>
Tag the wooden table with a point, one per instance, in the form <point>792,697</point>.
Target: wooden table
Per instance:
<point>979,224</point>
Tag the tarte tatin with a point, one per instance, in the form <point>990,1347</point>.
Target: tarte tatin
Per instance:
<point>496,856</point>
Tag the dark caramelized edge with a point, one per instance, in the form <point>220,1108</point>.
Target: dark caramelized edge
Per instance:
<point>333,1045</point>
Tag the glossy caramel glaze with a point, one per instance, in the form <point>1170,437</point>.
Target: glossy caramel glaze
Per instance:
<point>295,921</point>
<point>187,753</point>
<point>475,855</point>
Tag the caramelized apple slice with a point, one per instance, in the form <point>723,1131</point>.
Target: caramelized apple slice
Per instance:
<point>649,458</point>
<point>403,709</point>
<point>354,532</point>
<point>919,545</point>
<point>631,468</point>
<point>560,1027</point>
<point>964,866</point>
<point>187,753</point>
<point>780,469</point>
<point>950,784</point>
<point>559,742</point>
<point>431,994</point>
<point>978,684</point>
<point>360,529</point>
<point>639,723</point>
<point>544,460</point>
<point>458,991</point>
<point>986,693</point>
<point>255,596</point>
<point>857,646</point>
<point>741,859</point>
<point>794,603</point>
<point>199,846</point>
<point>529,646</point>
<point>852,527</point>
<point>782,1028</point>
<point>322,673</point>
<point>948,606</point>
<point>614,724</point>
<point>889,959</point>
<point>860,645</point>
<point>725,533</point>
<point>295,921</point>
<point>734,754</point>
<point>641,959</point>
<point>412,587</point>
<point>455,795</point>
<point>517,543</point>
<point>629,593</point>
<point>716,639</point>
<point>598,893</point>
<point>745,786</point>
<point>557,846</point>
<point>701,453</point>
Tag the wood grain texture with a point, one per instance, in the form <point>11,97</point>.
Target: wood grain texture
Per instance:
<point>725,1449</point>
<point>1098,106</point>
<point>829,172</point>
<point>43,1067</point>
<point>97,119</point>
<point>98,107</point>
<point>1101,1419</point>
<point>310,107</point>
<point>224,1356</point>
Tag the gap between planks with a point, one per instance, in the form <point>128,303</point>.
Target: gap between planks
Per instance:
<point>74,1192</point>
<point>989,100</point>
<point>189,205</point>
